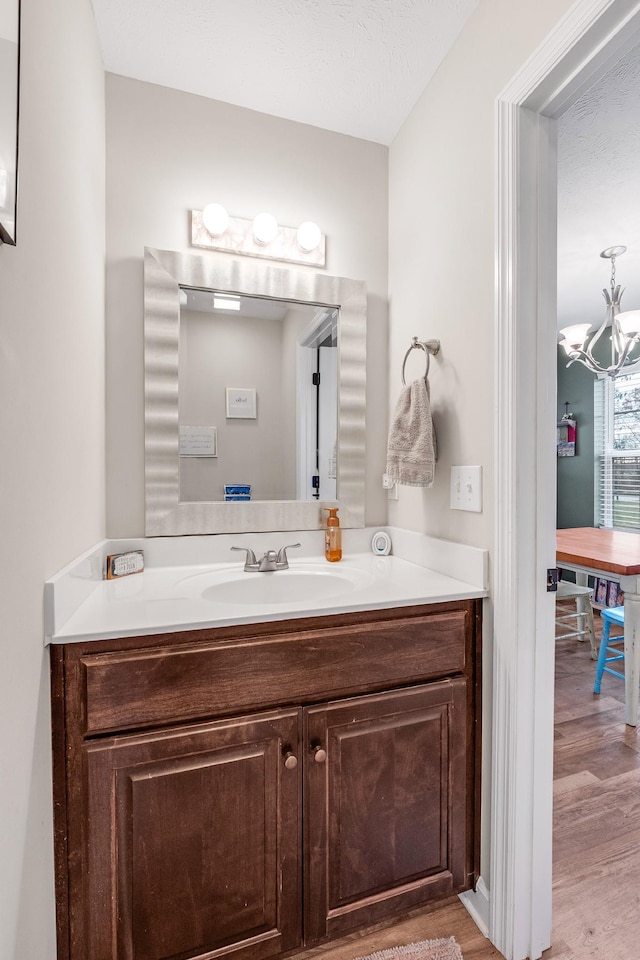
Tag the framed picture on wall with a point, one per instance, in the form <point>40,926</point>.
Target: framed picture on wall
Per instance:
<point>9,110</point>
<point>241,403</point>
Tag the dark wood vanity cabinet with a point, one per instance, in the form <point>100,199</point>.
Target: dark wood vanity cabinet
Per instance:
<point>245,791</point>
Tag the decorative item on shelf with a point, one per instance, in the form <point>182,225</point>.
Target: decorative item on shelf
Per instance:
<point>213,229</point>
<point>237,491</point>
<point>625,330</point>
<point>567,434</point>
<point>124,564</point>
<point>607,593</point>
<point>381,544</point>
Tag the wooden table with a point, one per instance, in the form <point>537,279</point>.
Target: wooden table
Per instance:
<point>614,556</point>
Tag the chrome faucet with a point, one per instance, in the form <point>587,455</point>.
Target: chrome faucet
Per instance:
<point>269,562</point>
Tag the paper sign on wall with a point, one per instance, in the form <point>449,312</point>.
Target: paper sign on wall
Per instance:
<point>198,442</point>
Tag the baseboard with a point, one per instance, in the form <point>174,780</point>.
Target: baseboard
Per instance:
<point>477,903</point>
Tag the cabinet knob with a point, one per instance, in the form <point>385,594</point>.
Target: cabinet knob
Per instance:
<point>319,755</point>
<point>290,760</point>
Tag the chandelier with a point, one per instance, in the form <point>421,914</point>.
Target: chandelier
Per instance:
<point>625,330</point>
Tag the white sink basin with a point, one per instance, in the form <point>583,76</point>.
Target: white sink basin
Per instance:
<point>301,583</point>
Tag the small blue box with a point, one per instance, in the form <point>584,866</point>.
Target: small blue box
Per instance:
<point>237,491</point>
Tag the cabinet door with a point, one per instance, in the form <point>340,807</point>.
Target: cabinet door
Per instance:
<point>385,810</point>
<point>192,843</point>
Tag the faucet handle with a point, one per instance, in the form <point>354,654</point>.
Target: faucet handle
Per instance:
<point>250,560</point>
<point>282,554</point>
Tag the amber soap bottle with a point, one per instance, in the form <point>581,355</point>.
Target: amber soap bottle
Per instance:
<point>332,536</point>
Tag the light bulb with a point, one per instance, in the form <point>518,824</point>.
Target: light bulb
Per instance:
<point>265,228</point>
<point>309,236</point>
<point>215,219</point>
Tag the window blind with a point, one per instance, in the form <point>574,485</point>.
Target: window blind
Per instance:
<point>617,451</point>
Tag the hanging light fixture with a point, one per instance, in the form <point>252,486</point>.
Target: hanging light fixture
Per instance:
<point>625,329</point>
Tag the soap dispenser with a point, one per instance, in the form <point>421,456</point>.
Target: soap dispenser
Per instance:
<point>332,536</point>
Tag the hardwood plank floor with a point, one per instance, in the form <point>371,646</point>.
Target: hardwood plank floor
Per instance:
<point>596,881</point>
<point>596,873</point>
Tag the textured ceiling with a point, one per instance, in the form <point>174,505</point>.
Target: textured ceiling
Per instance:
<point>352,66</point>
<point>599,193</point>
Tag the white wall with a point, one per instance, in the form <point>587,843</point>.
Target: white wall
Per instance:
<point>51,426</point>
<point>169,152</point>
<point>223,351</point>
<point>441,271</point>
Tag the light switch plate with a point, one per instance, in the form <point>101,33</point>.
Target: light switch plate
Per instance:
<point>466,489</point>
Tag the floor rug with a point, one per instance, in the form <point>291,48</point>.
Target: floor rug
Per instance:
<point>445,949</point>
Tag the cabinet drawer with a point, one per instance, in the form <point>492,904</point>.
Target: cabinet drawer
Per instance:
<point>159,685</point>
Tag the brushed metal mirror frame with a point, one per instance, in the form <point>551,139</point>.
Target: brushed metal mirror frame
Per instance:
<point>165,271</point>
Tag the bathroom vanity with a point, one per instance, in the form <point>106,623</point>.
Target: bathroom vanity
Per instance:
<point>248,790</point>
<point>244,789</point>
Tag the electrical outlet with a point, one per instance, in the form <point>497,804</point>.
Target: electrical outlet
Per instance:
<point>466,489</point>
<point>390,486</point>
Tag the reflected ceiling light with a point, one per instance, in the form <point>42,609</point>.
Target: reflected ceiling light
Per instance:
<point>265,228</point>
<point>308,236</point>
<point>625,330</point>
<point>215,219</point>
<point>223,302</point>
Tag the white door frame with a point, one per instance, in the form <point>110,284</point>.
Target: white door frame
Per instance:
<point>589,39</point>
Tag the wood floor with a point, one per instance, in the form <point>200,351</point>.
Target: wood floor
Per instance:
<point>596,882</point>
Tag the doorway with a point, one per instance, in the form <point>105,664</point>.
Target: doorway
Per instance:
<point>587,41</point>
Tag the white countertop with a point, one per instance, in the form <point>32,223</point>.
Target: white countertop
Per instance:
<point>174,596</point>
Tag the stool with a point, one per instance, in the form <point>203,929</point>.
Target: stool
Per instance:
<point>582,596</point>
<point>610,648</point>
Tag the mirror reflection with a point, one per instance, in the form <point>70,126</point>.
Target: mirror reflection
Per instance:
<point>222,432</point>
<point>258,398</point>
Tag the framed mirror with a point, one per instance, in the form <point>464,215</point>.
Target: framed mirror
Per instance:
<point>9,98</point>
<point>255,380</point>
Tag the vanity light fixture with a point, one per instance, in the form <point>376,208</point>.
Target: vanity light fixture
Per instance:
<point>213,229</point>
<point>624,328</point>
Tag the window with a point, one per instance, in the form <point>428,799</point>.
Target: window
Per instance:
<point>617,451</point>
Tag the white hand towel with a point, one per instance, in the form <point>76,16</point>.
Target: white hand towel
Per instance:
<point>411,449</point>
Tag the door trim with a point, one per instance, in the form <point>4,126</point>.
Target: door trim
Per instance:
<point>586,41</point>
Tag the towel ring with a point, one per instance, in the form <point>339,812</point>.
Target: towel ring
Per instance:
<point>431,349</point>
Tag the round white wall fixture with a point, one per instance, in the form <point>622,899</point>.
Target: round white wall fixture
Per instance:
<point>308,236</point>
<point>215,219</point>
<point>265,228</point>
